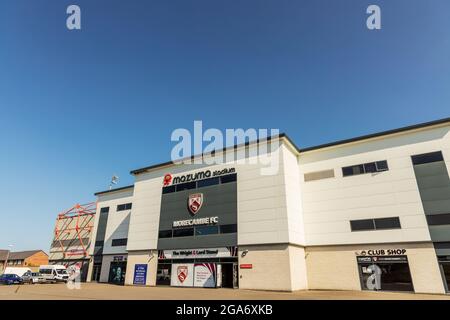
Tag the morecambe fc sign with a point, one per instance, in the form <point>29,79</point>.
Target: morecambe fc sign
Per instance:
<point>195,202</point>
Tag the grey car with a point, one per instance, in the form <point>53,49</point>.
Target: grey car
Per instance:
<point>32,277</point>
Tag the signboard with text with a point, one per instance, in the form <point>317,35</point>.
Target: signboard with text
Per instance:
<point>382,252</point>
<point>140,274</point>
<point>205,275</point>
<point>197,253</point>
<point>169,179</point>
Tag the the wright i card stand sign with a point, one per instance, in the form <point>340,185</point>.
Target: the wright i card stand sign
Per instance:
<point>194,275</point>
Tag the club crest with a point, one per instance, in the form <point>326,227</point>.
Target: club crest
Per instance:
<point>182,273</point>
<point>167,179</point>
<point>195,202</point>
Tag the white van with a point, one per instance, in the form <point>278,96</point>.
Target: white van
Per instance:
<point>54,273</point>
<point>20,271</point>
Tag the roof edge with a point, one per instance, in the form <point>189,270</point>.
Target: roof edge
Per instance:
<point>297,149</point>
<point>377,134</point>
<point>114,190</point>
<point>168,163</point>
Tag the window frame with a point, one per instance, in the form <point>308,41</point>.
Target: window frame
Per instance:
<point>104,210</point>
<point>229,178</point>
<point>166,231</point>
<point>203,183</point>
<point>174,231</point>
<point>224,226</point>
<point>362,168</point>
<point>124,206</point>
<point>396,219</point>
<point>198,228</point>
<point>442,219</point>
<point>360,221</point>
<point>114,242</point>
<point>374,223</point>
<point>429,157</point>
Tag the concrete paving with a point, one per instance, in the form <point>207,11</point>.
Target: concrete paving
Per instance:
<point>96,291</point>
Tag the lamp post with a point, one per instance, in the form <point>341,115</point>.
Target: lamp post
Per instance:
<point>114,181</point>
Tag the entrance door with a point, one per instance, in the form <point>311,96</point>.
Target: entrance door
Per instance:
<point>163,274</point>
<point>227,275</point>
<point>96,269</point>
<point>117,272</point>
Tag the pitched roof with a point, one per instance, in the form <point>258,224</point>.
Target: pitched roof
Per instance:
<point>3,254</point>
<point>20,255</point>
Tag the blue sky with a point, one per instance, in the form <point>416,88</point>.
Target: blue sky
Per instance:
<point>78,106</point>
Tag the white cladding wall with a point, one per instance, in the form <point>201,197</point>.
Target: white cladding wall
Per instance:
<point>329,204</point>
<point>293,197</point>
<point>269,206</point>
<point>144,222</point>
<point>262,213</point>
<point>118,221</point>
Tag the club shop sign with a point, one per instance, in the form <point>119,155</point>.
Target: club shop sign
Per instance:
<point>169,179</point>
<point>382,252</point>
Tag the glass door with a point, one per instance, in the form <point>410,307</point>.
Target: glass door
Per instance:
<point>96,269</point>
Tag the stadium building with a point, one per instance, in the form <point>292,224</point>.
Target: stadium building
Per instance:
<point>368,213</point>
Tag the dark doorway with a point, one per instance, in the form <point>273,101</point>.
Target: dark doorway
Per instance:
<point>96,269</point>
<point>385,273</point>
<point>227,275</point>
<point>117,272</point>
<point>445,267</point>
<point>163,274</point>
<point>84,271</point>
<point>235,276</point>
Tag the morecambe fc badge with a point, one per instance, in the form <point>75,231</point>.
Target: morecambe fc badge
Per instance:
<point>182,273</point>
<point>195,202</point>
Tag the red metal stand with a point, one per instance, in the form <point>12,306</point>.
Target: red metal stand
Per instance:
<point>82,216</point>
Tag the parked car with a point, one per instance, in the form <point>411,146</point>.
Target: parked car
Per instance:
<point>32,277</point>
<point>9,278</point>
<point>54,273</point>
